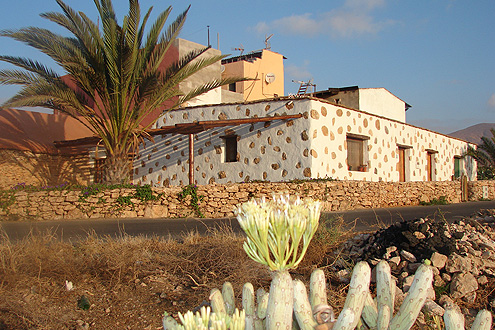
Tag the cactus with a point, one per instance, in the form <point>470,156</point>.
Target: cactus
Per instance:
<point>356,297</point>
<point>205,320</point>
<point>278,234</point>
<point>454,320</point>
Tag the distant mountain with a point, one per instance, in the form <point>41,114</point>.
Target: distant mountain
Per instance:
<point>474,133</point>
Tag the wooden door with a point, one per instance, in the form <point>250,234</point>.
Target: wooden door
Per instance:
<point>402,164</point>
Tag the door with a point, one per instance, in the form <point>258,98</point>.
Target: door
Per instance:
<point>429,166</point>
<point>402,164</point>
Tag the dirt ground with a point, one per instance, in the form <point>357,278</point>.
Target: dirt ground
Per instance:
<point>128,282</point>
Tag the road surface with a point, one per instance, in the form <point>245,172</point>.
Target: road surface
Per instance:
<point>360,220</point>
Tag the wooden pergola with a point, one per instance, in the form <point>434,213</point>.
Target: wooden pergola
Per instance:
<point>185,129</point>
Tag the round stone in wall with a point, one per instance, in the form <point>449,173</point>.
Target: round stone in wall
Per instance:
<point>288,139</point>
<point>289,123</point>
<point>222,175</point>
<point>339,112</point>
<point>262,149</point>
<point>304,135</point>
<point>211,181</point>
<point>200,151</point>
<point>280,132</point>
<point>275,166</point>
<point>340,130</point>
<point>167,156</point>
<point>284,156</point>
<point>251,145</point>
<point>267,107</point>
<point>307,172</point>
<point>284,173</point>
<point>377,124</point>
<point>241,174</point>
<point>246,160</point>
<point>269,140</point>
<point>334,155</point>
<point>265,175</point>
<point>256,160</point>
<point>348,128</point>
<point>365,122</point>
<point>276,149</point>
<point>203,175</point>
<point>315,134</point>
<point>324,130</point>
<point>315,114</point>
<point>238,108</point>
<point>258,134</point>
<point>150,170</point>
<point>298,165</point>
<point>185,115</point>
<point>267,124</point>
<point>314,153</point>
<point>248,112</point>
<point>323,111</point>
<point>305,152</point>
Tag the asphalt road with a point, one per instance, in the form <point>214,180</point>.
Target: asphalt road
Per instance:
<point>359,220</point>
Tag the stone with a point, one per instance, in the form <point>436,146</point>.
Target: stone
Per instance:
<point>408,256</point>
<point>482,280</point>
<point>389,251</point>
<point>438,260</point>
<point>407,283</point>
<point>462,284</point>
<point>395,260</point>
<point>457,264</point>
<point>431,307</point>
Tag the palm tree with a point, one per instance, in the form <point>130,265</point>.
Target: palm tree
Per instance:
<point>113,81</point>
<point>485,156</point>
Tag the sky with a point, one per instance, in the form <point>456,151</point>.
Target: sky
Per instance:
<point>436,55</point>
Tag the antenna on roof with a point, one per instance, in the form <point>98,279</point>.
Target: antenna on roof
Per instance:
<point>303,88</point>
<point>239,49</point>
<point>267,43</point>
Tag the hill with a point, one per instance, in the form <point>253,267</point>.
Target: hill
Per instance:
<point>474,133</point>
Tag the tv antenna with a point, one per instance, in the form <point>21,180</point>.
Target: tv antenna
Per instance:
<point>239,49</point>
<point>267,43</point>
<point>304,86</point>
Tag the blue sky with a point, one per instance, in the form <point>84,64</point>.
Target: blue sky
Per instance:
<point>437,55</point>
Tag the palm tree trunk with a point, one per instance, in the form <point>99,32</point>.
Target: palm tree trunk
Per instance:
<point>117,169</point>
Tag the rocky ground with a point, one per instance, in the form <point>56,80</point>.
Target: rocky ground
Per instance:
<point>462,255</point>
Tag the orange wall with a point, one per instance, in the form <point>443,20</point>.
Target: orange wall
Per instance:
<point>270,62</point>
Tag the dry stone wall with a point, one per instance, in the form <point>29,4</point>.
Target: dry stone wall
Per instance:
<point>25,167</point>
<point>220,200</point>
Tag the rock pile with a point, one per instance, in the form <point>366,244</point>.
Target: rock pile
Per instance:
<point>462,255</point>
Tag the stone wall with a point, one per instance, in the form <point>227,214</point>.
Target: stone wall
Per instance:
<point>25,167</point>
<point>219,200</point>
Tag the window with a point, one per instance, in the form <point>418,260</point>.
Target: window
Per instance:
<point>430,165</point>
<point>357,156</point>
<point>232,87</point>
<point>230,148</point>
<point>457,167</point>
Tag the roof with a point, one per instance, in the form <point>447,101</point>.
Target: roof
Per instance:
<point>36,131</point>
<point>184,128</point>
<point>335,90</point>
<point>249,57</point>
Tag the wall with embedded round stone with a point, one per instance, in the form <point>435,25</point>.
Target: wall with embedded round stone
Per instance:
<point>313,146</point>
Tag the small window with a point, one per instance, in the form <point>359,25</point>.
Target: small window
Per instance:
<point>356,154</point>
<point>232,87</point>
<point>230,148</point>
<point>457,167</point>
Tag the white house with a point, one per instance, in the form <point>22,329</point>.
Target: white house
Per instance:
<point>283,139</point>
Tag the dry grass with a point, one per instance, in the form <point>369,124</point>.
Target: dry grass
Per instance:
<point>129,281</point>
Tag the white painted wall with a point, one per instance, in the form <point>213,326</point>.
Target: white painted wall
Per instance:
<point>311,146</point>
<point>381,102</point>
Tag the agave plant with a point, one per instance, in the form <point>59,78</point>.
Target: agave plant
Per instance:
<point>113,80</point>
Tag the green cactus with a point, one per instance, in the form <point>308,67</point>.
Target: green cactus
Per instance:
<point>278,234</point>
<point>302,307</point>
<point>228,297</point>
<point>454,320</point>
<point>356,297</point>
<point>205,320</point>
